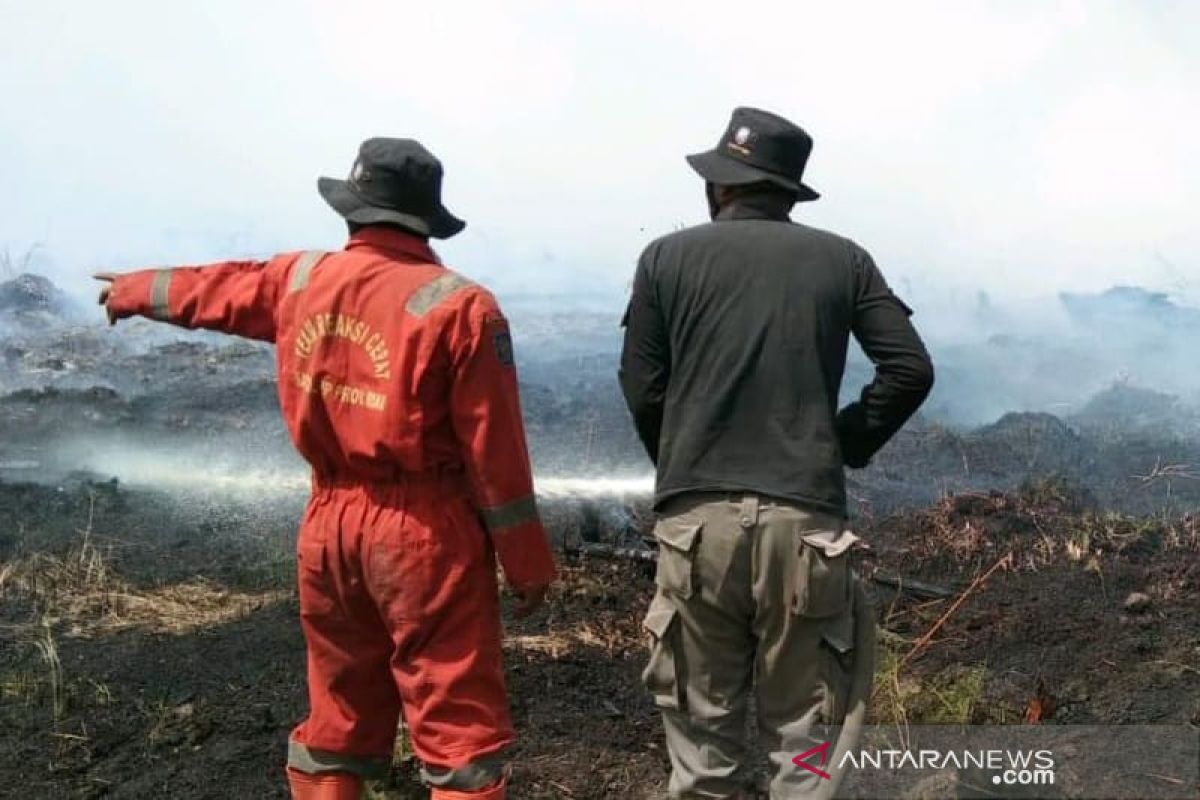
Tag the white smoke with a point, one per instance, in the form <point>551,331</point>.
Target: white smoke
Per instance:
<point>186,471</point>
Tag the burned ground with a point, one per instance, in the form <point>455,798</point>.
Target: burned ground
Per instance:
<point>148,652</point>
<point>149,641</point>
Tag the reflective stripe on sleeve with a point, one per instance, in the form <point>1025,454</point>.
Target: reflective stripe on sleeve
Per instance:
<point>313,762</point>
<point>509,515</point>
<point>160,304</point>
<point>304,267</point>
<point>429,296</point>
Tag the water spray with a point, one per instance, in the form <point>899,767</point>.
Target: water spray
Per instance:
<point>187,472</point>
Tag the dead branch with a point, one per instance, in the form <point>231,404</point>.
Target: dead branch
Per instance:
<point>1167,472</point>
<point>924,591</point>
<point>923,642</point>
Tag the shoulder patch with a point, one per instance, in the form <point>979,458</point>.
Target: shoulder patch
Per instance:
<point>435,292</point>
<point>502,340</point>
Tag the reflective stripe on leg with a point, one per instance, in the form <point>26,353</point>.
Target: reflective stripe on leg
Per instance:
<point>469,777</point>
<point>306,759</point>
<point>499,791</point>
<point>324,786</point>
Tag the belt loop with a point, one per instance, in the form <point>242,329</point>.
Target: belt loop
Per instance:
<point>749,510</point>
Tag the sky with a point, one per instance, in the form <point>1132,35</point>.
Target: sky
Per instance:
<point>1020,148</point>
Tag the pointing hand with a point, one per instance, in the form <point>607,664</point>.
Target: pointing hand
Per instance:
<point>107,278</point>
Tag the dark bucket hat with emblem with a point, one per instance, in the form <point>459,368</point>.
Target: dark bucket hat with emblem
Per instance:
<point>396,181</point>
<point>758,146</point>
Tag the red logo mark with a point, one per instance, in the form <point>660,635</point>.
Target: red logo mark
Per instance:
<point>802,759</point>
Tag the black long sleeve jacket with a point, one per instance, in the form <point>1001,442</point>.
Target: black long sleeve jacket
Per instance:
<point>735,346</point>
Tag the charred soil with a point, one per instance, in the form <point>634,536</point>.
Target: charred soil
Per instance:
<point>149,649</point>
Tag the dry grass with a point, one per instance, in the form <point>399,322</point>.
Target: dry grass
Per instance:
<point>80,590</point>
<point>79,594</point>
<point>953,696</point>
<point>1044,523</point>
<point>12,265</point>
<point>48,651</point>
<point>559,639</point>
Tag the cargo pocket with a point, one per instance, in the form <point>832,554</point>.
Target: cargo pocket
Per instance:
<point>662,674</point>
<point>822,581</point>
<point>310,556</point>
<point>837,666</point>
<point>676,555</point>
<point>316,596</point>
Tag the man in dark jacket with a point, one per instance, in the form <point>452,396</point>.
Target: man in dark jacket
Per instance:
<point>735,345</point>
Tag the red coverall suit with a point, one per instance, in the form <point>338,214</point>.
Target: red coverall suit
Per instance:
<point>397,383</point>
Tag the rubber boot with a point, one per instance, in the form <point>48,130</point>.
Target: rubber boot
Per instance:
<point>496,791</point>
<point>324,785</point>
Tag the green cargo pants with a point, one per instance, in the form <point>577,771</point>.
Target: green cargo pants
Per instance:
<point>753,594</point>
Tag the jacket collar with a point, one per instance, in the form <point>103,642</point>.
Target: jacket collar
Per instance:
<point>392,242</point>
<point>747,208</point>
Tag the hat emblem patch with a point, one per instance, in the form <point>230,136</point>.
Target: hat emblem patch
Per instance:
<point>742,138</point>
<point>359,174</point>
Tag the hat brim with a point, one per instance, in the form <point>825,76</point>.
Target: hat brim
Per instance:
<point>716,167</point>
<point>342,199</point>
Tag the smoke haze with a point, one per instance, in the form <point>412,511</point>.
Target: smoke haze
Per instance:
<point>1023,149</point>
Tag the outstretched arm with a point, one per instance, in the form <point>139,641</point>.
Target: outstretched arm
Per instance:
<point>237,297</point>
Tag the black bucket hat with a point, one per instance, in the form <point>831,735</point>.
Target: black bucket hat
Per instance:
<point>758,146</point>
<point>396,181</point>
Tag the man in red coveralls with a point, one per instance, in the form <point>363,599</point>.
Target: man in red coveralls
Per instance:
<point>397,383</point>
